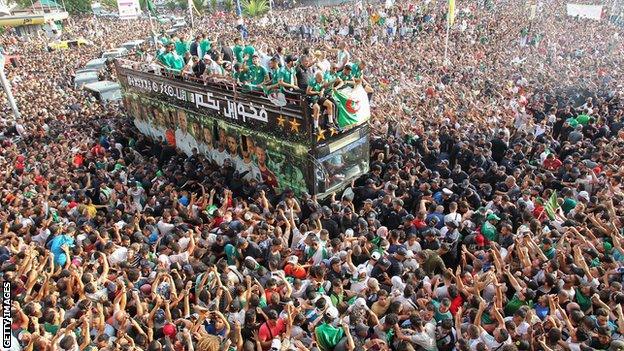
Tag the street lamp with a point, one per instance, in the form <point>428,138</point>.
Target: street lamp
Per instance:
<point>7,88</point>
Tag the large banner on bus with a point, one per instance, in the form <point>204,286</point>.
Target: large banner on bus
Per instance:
<point>254,155</point>
<point>249,110</point>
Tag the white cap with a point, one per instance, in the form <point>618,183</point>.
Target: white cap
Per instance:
<point>376,255</point>
<point>446,191</point>
<point>584,194</point>
<point>207,57</point>
<point>276,344</point>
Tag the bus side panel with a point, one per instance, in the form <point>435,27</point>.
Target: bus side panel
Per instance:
<point>254,154</point>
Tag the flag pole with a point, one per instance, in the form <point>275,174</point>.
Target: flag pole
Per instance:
<point>149,15</point>
<point>190,7</point>
<point>446,41</point>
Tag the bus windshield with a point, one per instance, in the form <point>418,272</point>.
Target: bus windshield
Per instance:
<point>342,165</point>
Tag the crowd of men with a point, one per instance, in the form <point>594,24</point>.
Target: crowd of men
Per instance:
<point>491,218</point>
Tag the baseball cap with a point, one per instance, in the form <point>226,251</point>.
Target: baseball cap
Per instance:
<point>493,216</point>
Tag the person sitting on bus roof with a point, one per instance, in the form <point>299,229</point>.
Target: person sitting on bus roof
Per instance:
<point>170,59</point>
<point>316,96</point>
<point>357,69</point>
<point>347,77</point>
<point>332,77</point>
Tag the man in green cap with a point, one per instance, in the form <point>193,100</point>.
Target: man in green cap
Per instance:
<point>488,229</point>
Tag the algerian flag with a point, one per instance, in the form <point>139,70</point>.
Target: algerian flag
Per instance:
<point>151,8</point>
<point>352,106</point>
<point>551,205</point>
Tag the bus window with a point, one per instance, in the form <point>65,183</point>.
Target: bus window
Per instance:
<point>342,165</point>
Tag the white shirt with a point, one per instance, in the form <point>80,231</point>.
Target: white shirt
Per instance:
<point>219,156</point>
<point>251,168</point>
<point>119,255</point>
<point>185,141</point>
<point>164,228</point>
<point>426,338</point>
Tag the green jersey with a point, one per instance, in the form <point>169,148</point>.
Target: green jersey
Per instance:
<point>257,74</point>
<point>489,231</point>
<point>328,336</point>
<point>205,46</point>
<point>171,60</point>
<point>346,77</point>
<point>330,77</point>
<point>316,86</point>
<point>288,75</point>
<point>248,52</point>
<point>238,53</point>
<point>181,47</point>
<point>356,71</point>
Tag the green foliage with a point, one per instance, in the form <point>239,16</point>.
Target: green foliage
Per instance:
<point>199,5</point>
<point>171,5</point>
<point>182,4</point>
<point>112,4</point>
<point>77,6</point>
<point>213,5</point>
<point>255,8</point>
<point>228,4</point>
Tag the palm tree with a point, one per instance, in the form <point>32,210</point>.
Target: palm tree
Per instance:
<point>255,8</point>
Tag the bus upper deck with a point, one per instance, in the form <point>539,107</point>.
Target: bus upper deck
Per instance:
<point>248,127</point>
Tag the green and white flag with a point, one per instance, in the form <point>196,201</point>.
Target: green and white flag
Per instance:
<point>551,205</point>
<point>151,8</point>
<point>352,106</point>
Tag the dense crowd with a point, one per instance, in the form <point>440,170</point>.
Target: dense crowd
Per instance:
<point>491,218</point>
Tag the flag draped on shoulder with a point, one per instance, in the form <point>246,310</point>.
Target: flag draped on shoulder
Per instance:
<point>451,13</point>
<point>551,205</point>
<point>352,106</point>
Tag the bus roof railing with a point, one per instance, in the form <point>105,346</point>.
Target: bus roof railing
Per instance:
<point>224,82</point>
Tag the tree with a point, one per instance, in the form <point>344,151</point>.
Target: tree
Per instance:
<point>213,5</point>
<point>228,5</point>
<point>255,8</point>
<point>199,5</point>
<point>171,5</point>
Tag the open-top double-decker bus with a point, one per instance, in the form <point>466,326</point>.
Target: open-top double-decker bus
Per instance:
<point>269,137</point>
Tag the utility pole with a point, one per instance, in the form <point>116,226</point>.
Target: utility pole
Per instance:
<point>7,89</point>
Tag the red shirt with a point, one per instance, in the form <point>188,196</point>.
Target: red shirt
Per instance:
<point>552,164</point>
<point>267,333</point>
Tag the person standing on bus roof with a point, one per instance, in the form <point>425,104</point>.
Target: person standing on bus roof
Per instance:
<point>238,50</point>
<point>249,52</point>
<point>256,74</point>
